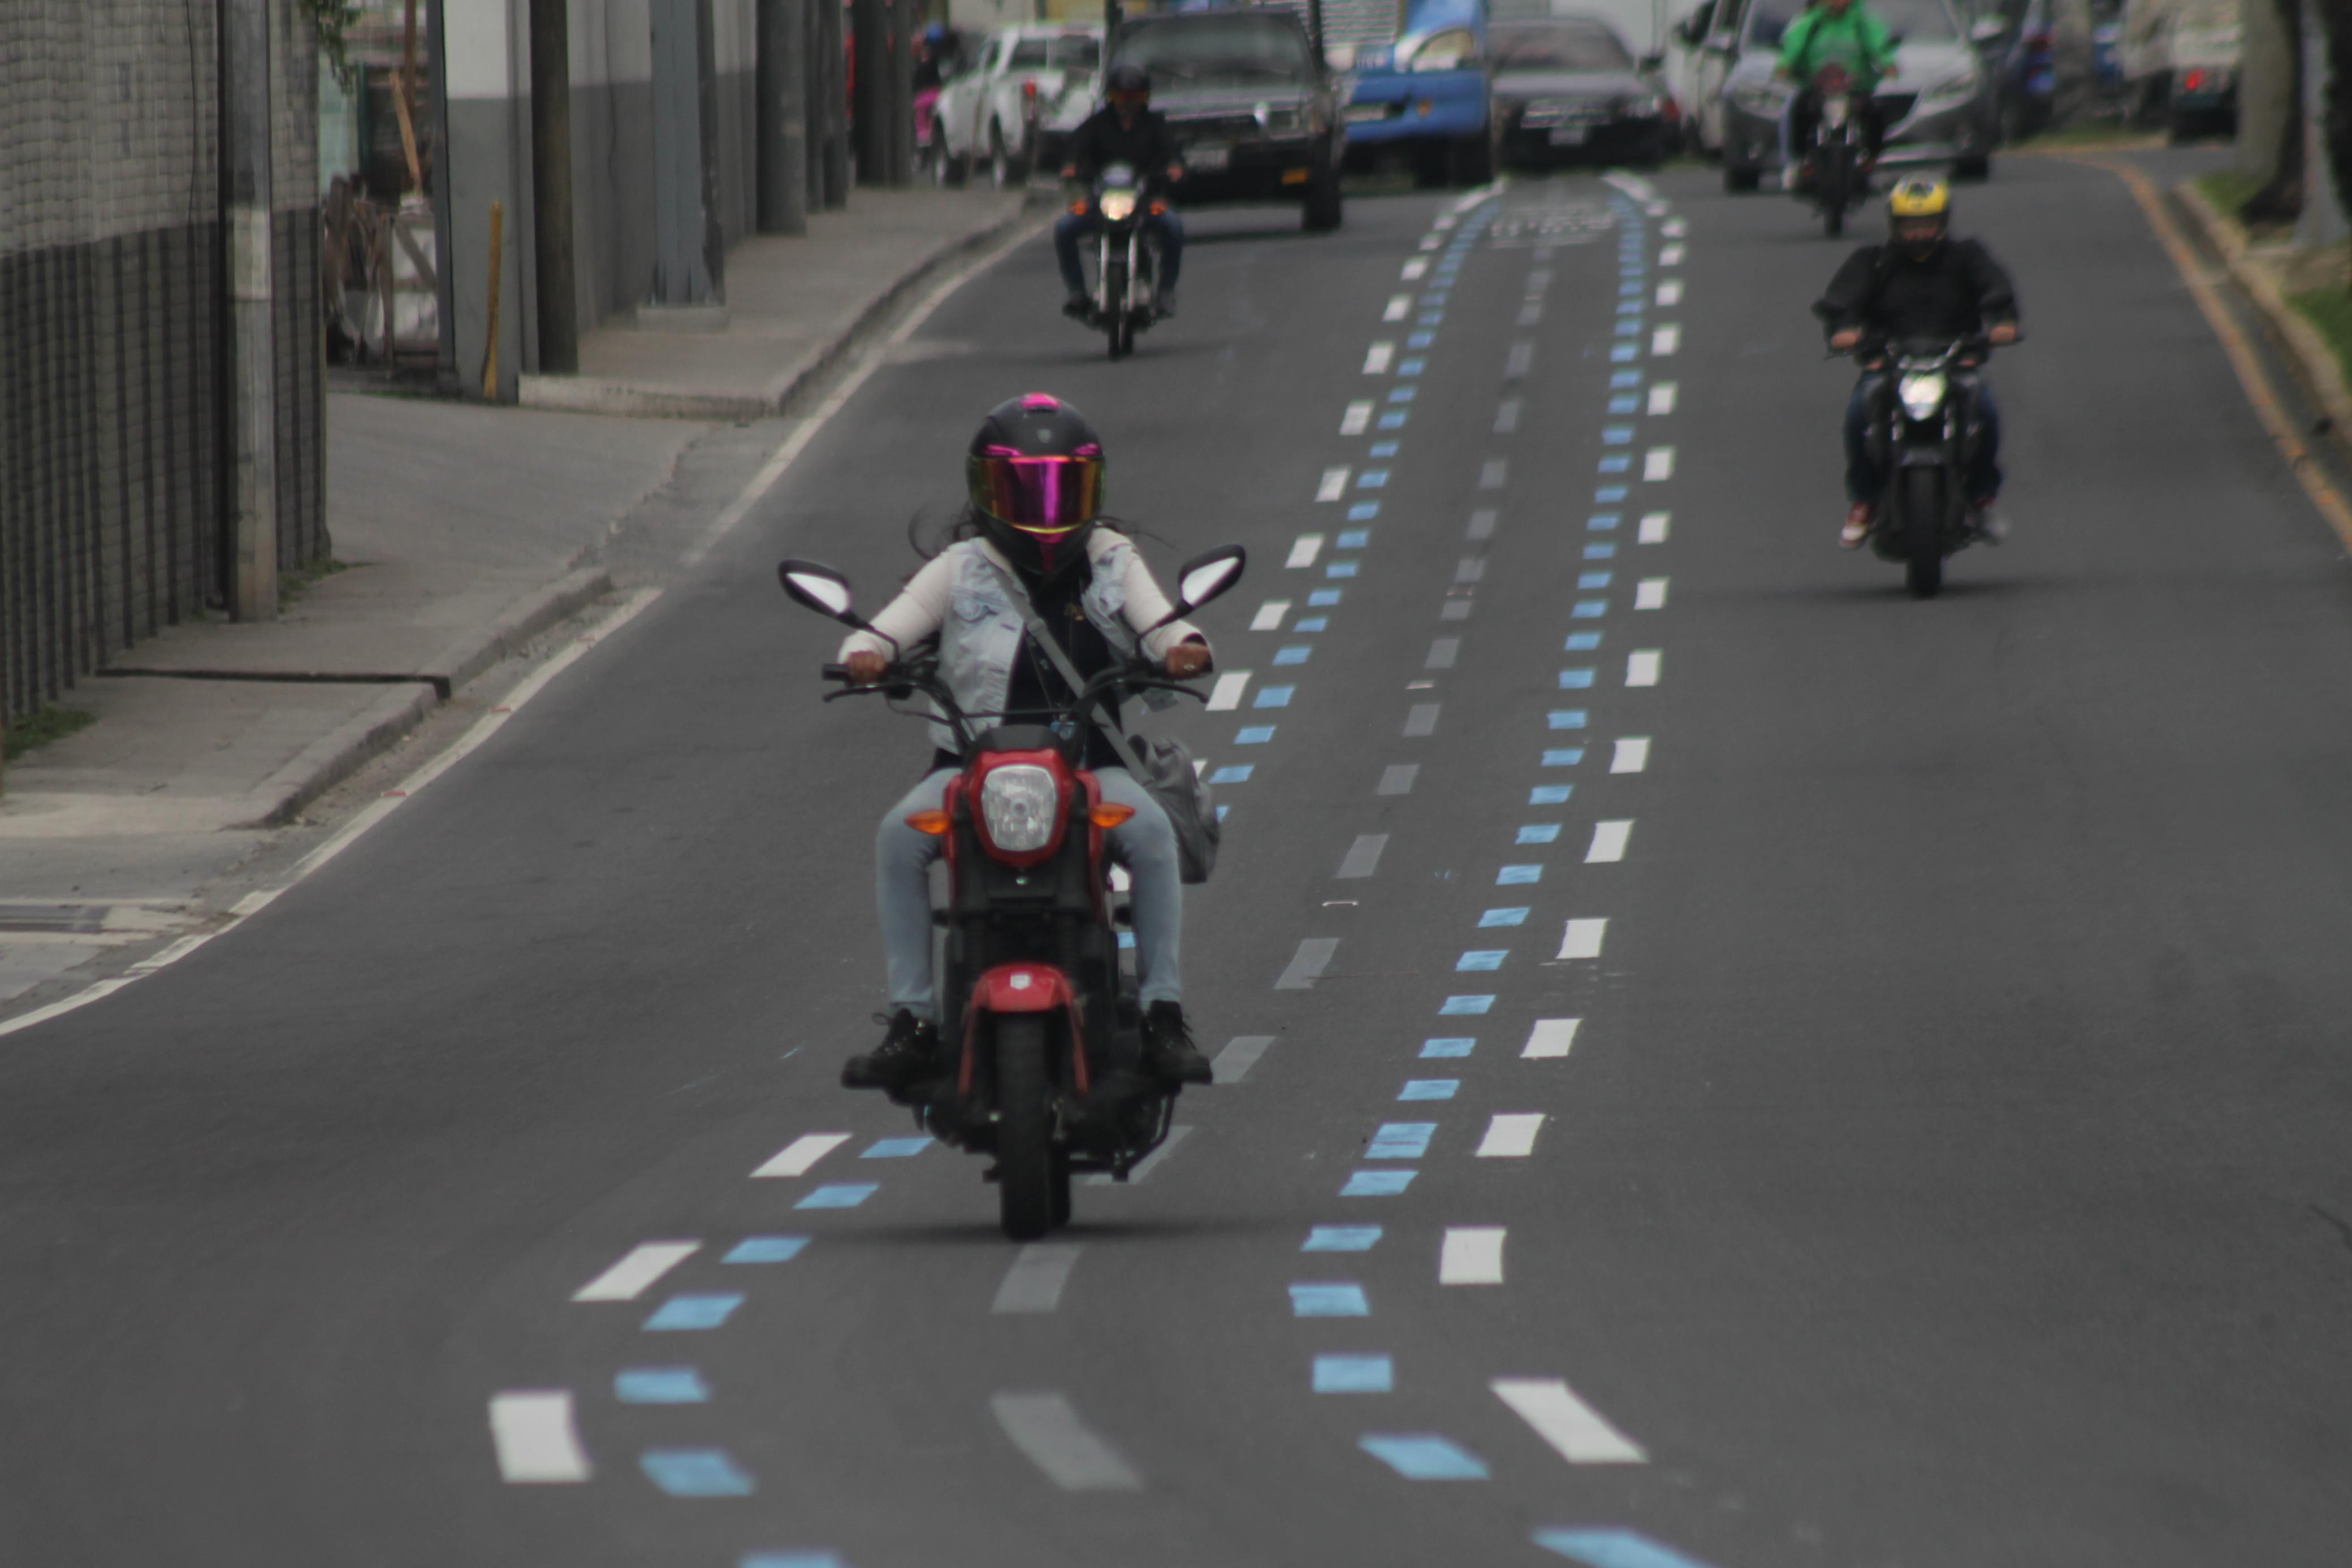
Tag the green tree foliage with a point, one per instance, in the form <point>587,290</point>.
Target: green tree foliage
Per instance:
<point>334,20</point>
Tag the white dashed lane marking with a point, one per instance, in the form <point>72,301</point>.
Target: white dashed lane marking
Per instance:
<point>1582,938</point>
<point>1670,292</point>
<point>1226,695</point>
<point>1507,416</point>
<point>1662,398</point>
<point>1398,307</point>
<point>1631,755</point>
<point>1357,420</point>
<point>1334,484</point>
<point>1269,615</point>
<point>1575,1430</point>
<point>1641,668</point>
<point>1442,652</point>
<point>1608,841</point>
<point>1397,778</point>
<point>1654,525</point>
<point>629,1278</point>
<point>1658,463</point>
<point>1232,1064</point>
<point>1035,1280</point>
<point>1417,268</point>
<point>1665,340</point>
<point>1377,359</point>
<point>1510,1136</point>
<point>1046,1428</point>
<point>1550,1038</point>
<point>1471,1255</point>
<point>1671,256</point>
<point>797,1157</point>
<point>1650,593</point>
<point>1305,549</point>
<point>1363,856</point>
<point>1307,966</point>
<point>537,1438</point>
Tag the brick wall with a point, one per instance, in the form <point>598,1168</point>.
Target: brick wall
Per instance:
<point>111,516</point>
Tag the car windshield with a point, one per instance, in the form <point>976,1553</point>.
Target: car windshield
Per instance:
<point>1566,46</point>
<point>1077,50</point>
<point>1186,51</point>
<point>1913,21</point>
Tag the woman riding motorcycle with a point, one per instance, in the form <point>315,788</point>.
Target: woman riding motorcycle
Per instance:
<point>1034,476</point>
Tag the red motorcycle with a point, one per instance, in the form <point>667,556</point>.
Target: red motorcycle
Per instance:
<point>1044,1073</point>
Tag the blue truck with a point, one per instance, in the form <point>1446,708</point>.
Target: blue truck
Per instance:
<point>1427,97</point>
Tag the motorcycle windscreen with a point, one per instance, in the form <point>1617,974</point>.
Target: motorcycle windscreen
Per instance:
<point>1039,494</point>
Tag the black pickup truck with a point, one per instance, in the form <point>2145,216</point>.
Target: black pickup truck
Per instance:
<point>1250,102</point>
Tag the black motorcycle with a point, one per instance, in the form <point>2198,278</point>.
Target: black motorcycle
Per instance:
<point>1837,177</point>
<point>1126,296</point>
<point>1923,435</point>
<point>1043,1069</point>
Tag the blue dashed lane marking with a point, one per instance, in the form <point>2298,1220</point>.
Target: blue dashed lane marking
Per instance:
<point>896,1149</point>
<point>1354,539</point>
<point>1630,307</point>
<point>1446,1047</point>
<point>1624,406</point>
<point>1362,512</point>
<point>695,1472</point>
<point>1329,1301</point>
<point>1310,623</point>
<point>1482,959</point>
<point>1233,773</point>
<point>1603,520</point>
<point>1617,434</point>
<point>1400,1141</point>
<point>1383,449</point>
<point>1420,339</point>
<point>792,1560</point>
<point>1590,608</point>
<point>1617,464</point>
<point>1393,421</point>
<point>1564,756</point>
<point>1373,478</point>
<point>1630,291</point>
<point>1629,329</point>
<point>1423,1457</point>
<point>1429,1089</point>
<point>1613,1549</point>
<point>1575,680</point>
<point>1459,1007</point>
<point>1341,1238</point>
<point>839,1195</point>
<point>1377,1183</point>
<point>1517,875</point>
<point>1274,696</point>
<point>1623,352</point>
<point>1324,597</point>
<point>688,1313</point>
<point>1551,794</point>
<point>1340,568</point>
<point>1538,834</point>
<point>1255,735</point>
<point>1292,655</point>
<point>660,1386</point>
<point>1515,915</point>
<point>1582,642</point>
<point>766,1249</point>
<point>1624,378</point>
<point>1610,494</point>
<point>1590,580</point>
<point>1566,718</point>
<point>1354,1375</point>
<point>1401,394</point>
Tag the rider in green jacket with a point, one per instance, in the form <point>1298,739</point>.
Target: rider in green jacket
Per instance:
<point>1831,32</point>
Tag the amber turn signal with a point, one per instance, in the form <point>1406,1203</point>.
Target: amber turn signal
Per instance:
<point>1108,815</point>
<point>932,822</point>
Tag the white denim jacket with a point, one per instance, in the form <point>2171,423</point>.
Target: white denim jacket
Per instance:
<point>958,595</point>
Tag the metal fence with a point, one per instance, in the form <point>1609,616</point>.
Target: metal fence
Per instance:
<point>112,519</point>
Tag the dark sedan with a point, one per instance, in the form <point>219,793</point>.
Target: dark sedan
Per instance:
<point>1568,87</point>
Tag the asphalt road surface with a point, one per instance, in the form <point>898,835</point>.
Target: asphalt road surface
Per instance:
<point>1791,1075</point>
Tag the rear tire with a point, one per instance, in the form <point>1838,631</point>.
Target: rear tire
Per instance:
<point>1473,158</point>
<point>1061,1188</point>
<point>1324,208</point>
<point>1115,321</point>
<point>1024,1127</point>
<point>1923,519</point>
<point>1741,182</point>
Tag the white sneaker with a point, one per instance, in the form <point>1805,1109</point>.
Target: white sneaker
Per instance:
<point>1990,526</point>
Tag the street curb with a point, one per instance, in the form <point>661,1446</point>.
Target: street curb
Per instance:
<point>344,751</point>
<point>577,394</point>
<point>2315,362</point>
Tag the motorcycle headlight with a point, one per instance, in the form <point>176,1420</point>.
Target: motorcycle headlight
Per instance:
<point>1922,393</point>
<point>1115,206</point>
<point>1019,805</point>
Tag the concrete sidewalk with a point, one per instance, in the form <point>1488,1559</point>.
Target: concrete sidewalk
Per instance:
<point>462,531</point>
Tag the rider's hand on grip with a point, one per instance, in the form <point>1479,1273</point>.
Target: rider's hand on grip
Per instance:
<point>866,668</point>
<point>1186,660</point>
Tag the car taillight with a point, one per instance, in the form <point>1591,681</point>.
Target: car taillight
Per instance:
<point>2193,81</point>
<point>1020,805</point>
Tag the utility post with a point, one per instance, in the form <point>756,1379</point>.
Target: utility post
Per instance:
<point>1111,19</point>
<point>905,18</point>
<point>869,22</point>
<point>782,118</point>
<point>832,51</point>
<point>551,186</point>
<point>246,198</point>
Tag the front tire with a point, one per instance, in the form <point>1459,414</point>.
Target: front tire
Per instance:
<point>1324,210</point>
<point>1116,325</point>
<point>1972,169</point>
<point>1024,1127</point>
<point>1473,158</point>
<point>1003,168</point>
<point>1923,519</point>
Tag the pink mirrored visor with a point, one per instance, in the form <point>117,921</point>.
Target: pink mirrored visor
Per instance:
<point>1041,494</point>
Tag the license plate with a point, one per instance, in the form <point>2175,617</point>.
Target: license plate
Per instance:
<point>1570,135</point>
<point>1207,158</point>
<point>1361,113</point>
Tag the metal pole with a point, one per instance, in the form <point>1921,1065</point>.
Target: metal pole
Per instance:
<point>550,187</point>
<point>1315,28</point>
<point>871,114</point>
<point>1111,19</point>
<point>834,50</point>
<point>904,17</point>
<point>783,120</point>
<point>251,426</point>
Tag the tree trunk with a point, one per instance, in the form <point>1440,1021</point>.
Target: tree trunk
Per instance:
<point>2336,115</point>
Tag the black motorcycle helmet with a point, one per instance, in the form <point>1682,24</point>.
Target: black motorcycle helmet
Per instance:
<point>1034,472</point>
<point>1130,82</point>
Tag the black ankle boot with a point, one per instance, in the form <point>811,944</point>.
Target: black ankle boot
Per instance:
<point>907,1055</point>
<point>1168,1054</point>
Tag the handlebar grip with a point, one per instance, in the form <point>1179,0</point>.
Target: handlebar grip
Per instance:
<point>834,672</point>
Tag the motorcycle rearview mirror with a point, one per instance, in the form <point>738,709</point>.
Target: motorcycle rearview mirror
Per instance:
<point>1203,577</point>
<point>822,589</point>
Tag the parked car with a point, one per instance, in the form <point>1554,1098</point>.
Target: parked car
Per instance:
<point>1570,88</point>
<point>1942,106</point>
<point>1253,106</point>
<point>994,117</point>
<point>1707,45</point>
<point>1427,97</point>
<point>2180,64</point>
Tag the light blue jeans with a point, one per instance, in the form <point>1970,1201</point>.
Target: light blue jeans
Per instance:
<point>1145,845</point>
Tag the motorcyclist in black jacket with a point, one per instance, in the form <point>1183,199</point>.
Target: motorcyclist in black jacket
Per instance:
<point>1127,131</point>
<point>1920,284</point>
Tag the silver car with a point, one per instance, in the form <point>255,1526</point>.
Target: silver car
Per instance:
<point>1942,105</point>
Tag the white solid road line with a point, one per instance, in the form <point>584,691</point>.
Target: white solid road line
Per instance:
<point>1357,419</point>
<point>627,1279</point>
<point>1650,593</point>
<point>1226,695</point>
<point>1608,841</point>
<point>1232,1064</point>
<point>1034,1283</point>
<point>1510,1136</point>
<point>1550,1038</point>
<point>797,1157</point>
<point>1661,397</point>
<point>538,1441</point>
<point>1665,340</point>
<point>1045,1427</point>
<point>1670,292</point>
<point>1641,668</point>
<point>1334,484</point>
<point>1632,756</point>
<point>1472,1255</point>
<point>1377,357</point>
<point>1304,551</point>
<point>1397,306</point>
<point>1658,463</point>
<point>1307,966</point>
<point>1574,1429</point>
<point>1363,856</point>
<point>1582,938</point>
<point>1269,615</point>
<point>1654,525</point>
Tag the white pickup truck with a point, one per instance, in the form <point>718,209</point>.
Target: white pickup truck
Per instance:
<point>1027,89</point>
